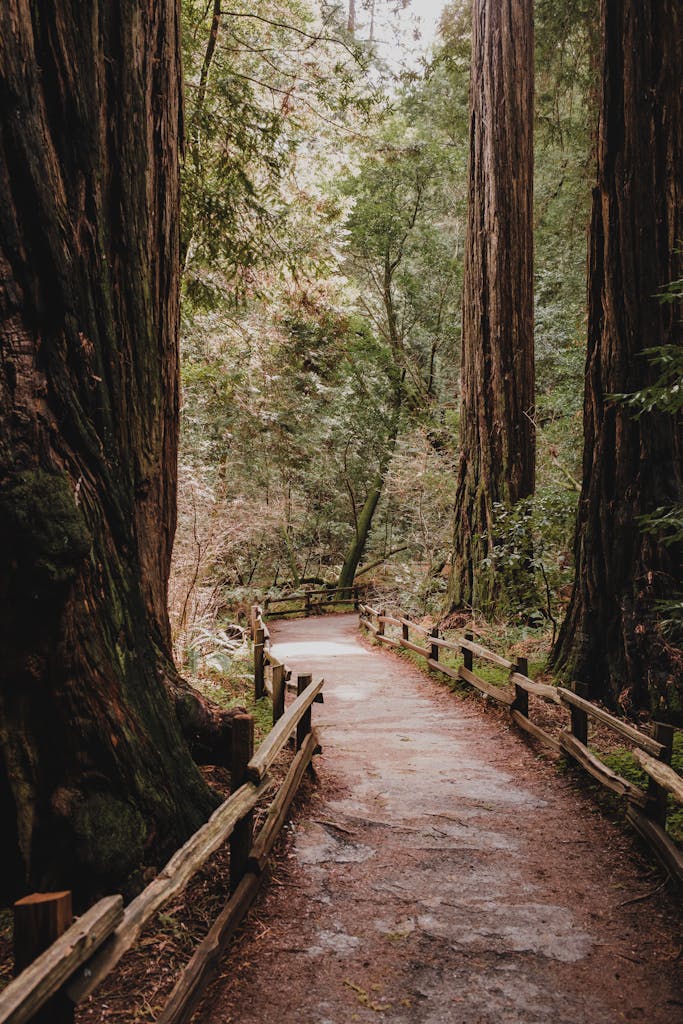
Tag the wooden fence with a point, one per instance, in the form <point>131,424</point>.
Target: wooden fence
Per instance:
<point>311,602</point>
<point>647,808</point>
<point>80,955</point>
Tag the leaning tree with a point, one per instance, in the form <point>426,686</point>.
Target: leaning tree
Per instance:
<point>497,438</point>
<point>96,771</point>
<point>610,639</point>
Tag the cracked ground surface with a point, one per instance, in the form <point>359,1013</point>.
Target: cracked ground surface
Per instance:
<point>440,872</point>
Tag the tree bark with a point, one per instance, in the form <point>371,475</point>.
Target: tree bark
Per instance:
<point>497,460</point>
<point>95,774</point>
<point>631,466</point>
<point>360,537</point>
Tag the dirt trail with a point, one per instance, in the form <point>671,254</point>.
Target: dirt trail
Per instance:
<point>442,873</point>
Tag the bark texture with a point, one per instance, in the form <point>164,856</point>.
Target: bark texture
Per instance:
<point>95,774</point>
<point>631,466</point>
<point>497,461</point>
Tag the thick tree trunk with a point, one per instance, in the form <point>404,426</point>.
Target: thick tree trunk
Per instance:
<point>95,774</point>
<point>631,466</point>
<point>497,401</point>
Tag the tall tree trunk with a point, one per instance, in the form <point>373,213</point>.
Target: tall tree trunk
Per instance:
<point>631,466</point>
<point>95,774</point>
<point>497,460</point>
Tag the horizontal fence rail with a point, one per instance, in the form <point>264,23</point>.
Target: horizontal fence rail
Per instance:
<point>311,602</point>
<point>79,960</point>
<point>646,809</point>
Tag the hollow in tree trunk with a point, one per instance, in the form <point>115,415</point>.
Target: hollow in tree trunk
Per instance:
<point>95,774</point>
<point>497,435</point>
<point>631,466</point>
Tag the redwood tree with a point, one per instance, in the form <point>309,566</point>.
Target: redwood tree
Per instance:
<point>95,773</point>
<point>631,465</point>
<point>497,461</point>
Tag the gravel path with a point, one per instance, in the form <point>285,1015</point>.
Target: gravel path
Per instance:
<point>440,872</point>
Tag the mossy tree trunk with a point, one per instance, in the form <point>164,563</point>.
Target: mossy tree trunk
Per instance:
<point>95,772</point>
<point>631,466</point>
<point>363,527</point>
<point>497,460</point>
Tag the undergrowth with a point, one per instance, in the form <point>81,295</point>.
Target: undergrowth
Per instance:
<point>232,685</point>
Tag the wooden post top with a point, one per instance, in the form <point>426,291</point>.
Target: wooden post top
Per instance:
<point>43,897</point>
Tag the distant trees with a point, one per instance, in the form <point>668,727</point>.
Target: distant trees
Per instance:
<point>404,270</point>
<point>497,460</point>
<point>625,563</point>
<point>95,771</point>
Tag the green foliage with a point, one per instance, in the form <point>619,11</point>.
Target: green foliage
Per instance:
<point>340,360</point>
<point>260,80</point>
<point>623,762</point>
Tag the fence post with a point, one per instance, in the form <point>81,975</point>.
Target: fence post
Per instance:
<point>356,599</point>
<point>521,702</point>
<point>253,619</point>
<point>259,647</point>
<point>242,753</point>
<point>657,796</point>
<point>434,648</point>
<point>307,603</point>
<point>304,726</point>
<point>579,718</point>
<point>278,692</point>
<point>405,631</point>
<point>39,920</point>
<point>467,658</point>
<point>380,624</point>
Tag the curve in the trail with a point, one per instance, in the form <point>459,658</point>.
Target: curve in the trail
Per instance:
<point>441,872</point>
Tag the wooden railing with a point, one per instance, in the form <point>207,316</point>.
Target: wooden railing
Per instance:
<point>646,809</point>
<point>73,966</point>
<point>311,602</point>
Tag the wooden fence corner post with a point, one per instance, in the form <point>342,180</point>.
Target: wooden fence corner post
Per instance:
<point>434,648</point>
<point>380,622</point>
<point>307,600</point>
<point>39,920</point>
<point>304,726</point>
<point>579,718</point>
<point>259,647</point>
<point>405,631</point>
<point>242,753</point>
<point>467,659</point>
<point>356,599</point>
<point>657,796</point>
<point>521,701</point>
<point>278,692</point>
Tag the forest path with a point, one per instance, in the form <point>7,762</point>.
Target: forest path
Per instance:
<point>440,872</point>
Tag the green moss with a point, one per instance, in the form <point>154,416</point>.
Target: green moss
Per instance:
<point>110,835</point>
<point>45,530</point>
<point>623,762</point>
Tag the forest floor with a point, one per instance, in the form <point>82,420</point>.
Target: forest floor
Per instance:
<point>441,871</point>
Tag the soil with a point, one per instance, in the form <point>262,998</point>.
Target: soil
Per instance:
<point>440,871</point>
